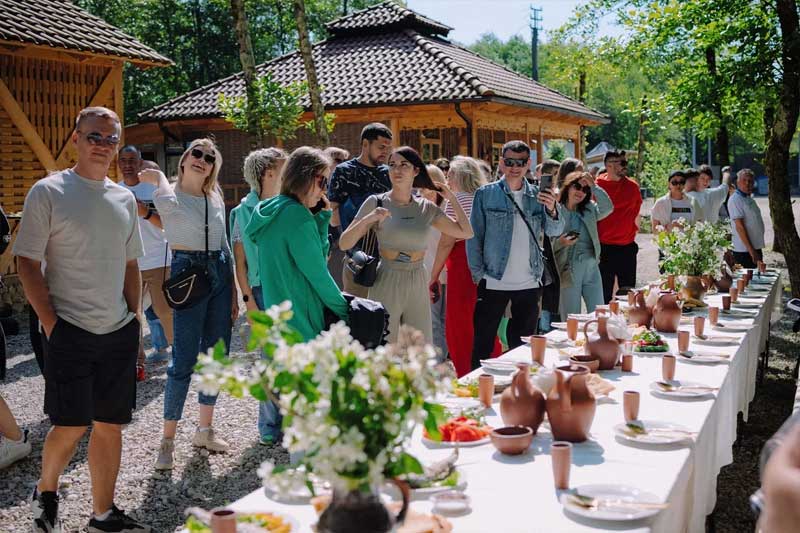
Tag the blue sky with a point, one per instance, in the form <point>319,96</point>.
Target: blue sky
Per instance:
<point>471,18</point>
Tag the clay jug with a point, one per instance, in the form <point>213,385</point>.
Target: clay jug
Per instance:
<point>725,282</point>
<point>601,346</point>
<point>571,405</point>
<point>694,288</point>
<point>667,313</point>
<point>522,403</point>
<point>639,314</point>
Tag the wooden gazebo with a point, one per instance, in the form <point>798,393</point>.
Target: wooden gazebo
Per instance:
<point>389,64</point>
<point>55,59</point>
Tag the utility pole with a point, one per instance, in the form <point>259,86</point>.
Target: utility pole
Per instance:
<point>535,23</point>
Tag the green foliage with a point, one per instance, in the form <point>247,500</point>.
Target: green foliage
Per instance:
<point>661,157</point>
<point>555,150</point>
<point>694,250</point>
<point>198,36</point>
<point>278,105</point>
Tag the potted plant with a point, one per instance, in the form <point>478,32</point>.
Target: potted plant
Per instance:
<point>348,411</point>
<point>693,251</point>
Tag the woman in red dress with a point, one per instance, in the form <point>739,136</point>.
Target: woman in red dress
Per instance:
<point>464,178</point>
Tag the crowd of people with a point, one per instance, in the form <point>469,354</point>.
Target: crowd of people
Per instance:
<point>473,260</point>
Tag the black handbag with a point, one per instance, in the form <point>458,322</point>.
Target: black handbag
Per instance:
<point>363,261</point>
<point>368,320</point>
<point>189,286</point>
<point>549,276</point>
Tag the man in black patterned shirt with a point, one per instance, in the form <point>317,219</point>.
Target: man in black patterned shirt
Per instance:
<point>355,180</point>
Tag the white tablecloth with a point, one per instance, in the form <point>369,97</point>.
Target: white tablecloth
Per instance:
<point>515,494</point>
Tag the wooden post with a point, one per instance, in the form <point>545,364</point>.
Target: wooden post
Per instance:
<point>394,125</point>
<point>540,145</point>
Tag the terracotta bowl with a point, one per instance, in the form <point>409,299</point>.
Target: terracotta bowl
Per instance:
<point>512,440</point>
<point>589,361</point>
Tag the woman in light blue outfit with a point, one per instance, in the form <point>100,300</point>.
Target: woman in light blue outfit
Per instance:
<point>577,251</point>
<point>262,171</point>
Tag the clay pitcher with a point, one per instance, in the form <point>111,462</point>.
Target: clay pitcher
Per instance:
<point>667,313</point>
<point>639,314</point>
<point>522,403</point>
<point>571,405</point>
<point>724,282</point>
<point>602,346</point>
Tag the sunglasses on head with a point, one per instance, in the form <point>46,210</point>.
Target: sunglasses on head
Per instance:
<point>678,183</point>
<point>97,139</point>
<point>513,162</point>
<point>585,188</point>
<point>199,154</point>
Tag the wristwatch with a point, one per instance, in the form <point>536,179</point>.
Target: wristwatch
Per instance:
<point>246,298</point>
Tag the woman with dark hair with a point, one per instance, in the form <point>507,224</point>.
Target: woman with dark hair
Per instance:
<point>291,233</point>
<point>567,166</point>
<point>402,224</point>
<point>577,251</point>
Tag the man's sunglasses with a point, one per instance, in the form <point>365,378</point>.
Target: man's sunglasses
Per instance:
<point>208,158</point>
<point>512,162</point>
<point>678,183</point>
<point>97,139</point>
<point>585,188</point>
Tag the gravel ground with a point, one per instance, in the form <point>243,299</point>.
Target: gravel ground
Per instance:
<point>210,480</point>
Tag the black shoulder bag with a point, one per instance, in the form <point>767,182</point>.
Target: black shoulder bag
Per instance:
<point>186,288</point>
<point>363,261</point>
<point>548,276</point>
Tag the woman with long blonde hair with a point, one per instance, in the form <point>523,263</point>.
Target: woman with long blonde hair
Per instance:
<point>184,209</point>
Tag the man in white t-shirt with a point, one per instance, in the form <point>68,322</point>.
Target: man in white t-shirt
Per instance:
<point>84,228</point>
<point>747,224</point>
<point>710,199</point>
<point>153,265</point>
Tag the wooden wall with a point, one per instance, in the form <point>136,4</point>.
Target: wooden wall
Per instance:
<point>39,100</point>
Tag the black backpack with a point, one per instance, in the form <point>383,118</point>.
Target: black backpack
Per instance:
<point>5,232</point>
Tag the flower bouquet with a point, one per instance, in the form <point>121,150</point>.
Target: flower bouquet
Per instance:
<point>348,411</point>
<point>693,251</point>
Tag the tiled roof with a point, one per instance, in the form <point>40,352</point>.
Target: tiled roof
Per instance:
<point>386,68</point>
<point>62,24</point>
<point>384,17</point>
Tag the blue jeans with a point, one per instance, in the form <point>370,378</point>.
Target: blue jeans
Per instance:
<point>157,336</point>
<point>269,414</point>
<point>587,284</point>
<point>197,328</point>
<point>437,320</point>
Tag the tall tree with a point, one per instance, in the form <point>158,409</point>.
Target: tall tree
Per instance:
<point>314,92</point>
<point>248,60</point>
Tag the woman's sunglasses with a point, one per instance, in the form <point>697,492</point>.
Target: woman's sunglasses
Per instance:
<point>199,154</point>
<point>323,183</point>
<point>584,188</point>
<point>678,183</point>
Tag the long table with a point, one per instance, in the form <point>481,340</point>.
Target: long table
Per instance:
<point>516,494</point>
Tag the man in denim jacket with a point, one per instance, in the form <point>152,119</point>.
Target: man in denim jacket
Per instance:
<point>504,258</point>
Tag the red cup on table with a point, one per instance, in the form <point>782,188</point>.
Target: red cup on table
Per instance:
<point>699,325</point>
<point>572,328</point>
<point>486,389</point>
<point>762,267</point>
<point>561,456</point>
<point>683,341</point>
<point>713,315</point>
<point>668,367</point>
<point>740,284</point>
<point>627,362</point>
<point>538,347</point>
<point>630,405</point>
<point>613,307</point>
<point>726,302</point>
<point>734,292</point>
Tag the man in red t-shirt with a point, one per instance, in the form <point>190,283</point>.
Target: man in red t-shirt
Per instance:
<point>618,230</point>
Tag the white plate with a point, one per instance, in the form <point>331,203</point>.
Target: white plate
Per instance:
<point>717,340</point>
<point>740,313</point>
<point>558,325</point>
<point>457,404</point>
<point>619,492</point>
<point>746,305</point>
<point>654,437</point>
<point>704,358</point>
<point>427,491</point>
<point>732,327</point>
<point>681,393</point>
<point>493,366</point>
<point>449,444</point>
<point>300,494</point>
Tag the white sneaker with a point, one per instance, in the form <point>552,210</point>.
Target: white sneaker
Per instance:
<point>165,452</point>
<point>12,451</point>
<point>205,438</point>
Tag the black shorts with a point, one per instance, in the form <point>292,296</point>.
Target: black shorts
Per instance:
<point>90,377</point>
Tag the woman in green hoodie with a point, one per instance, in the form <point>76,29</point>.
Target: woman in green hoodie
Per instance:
<point>291,234</point>
<point>262,170</point>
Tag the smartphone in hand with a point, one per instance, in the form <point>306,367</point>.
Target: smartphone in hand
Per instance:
<point>546,182</point>
<point>572,235</point>
<point>319,207</point>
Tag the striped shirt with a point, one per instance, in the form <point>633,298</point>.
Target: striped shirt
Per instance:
<point>464,200</point>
